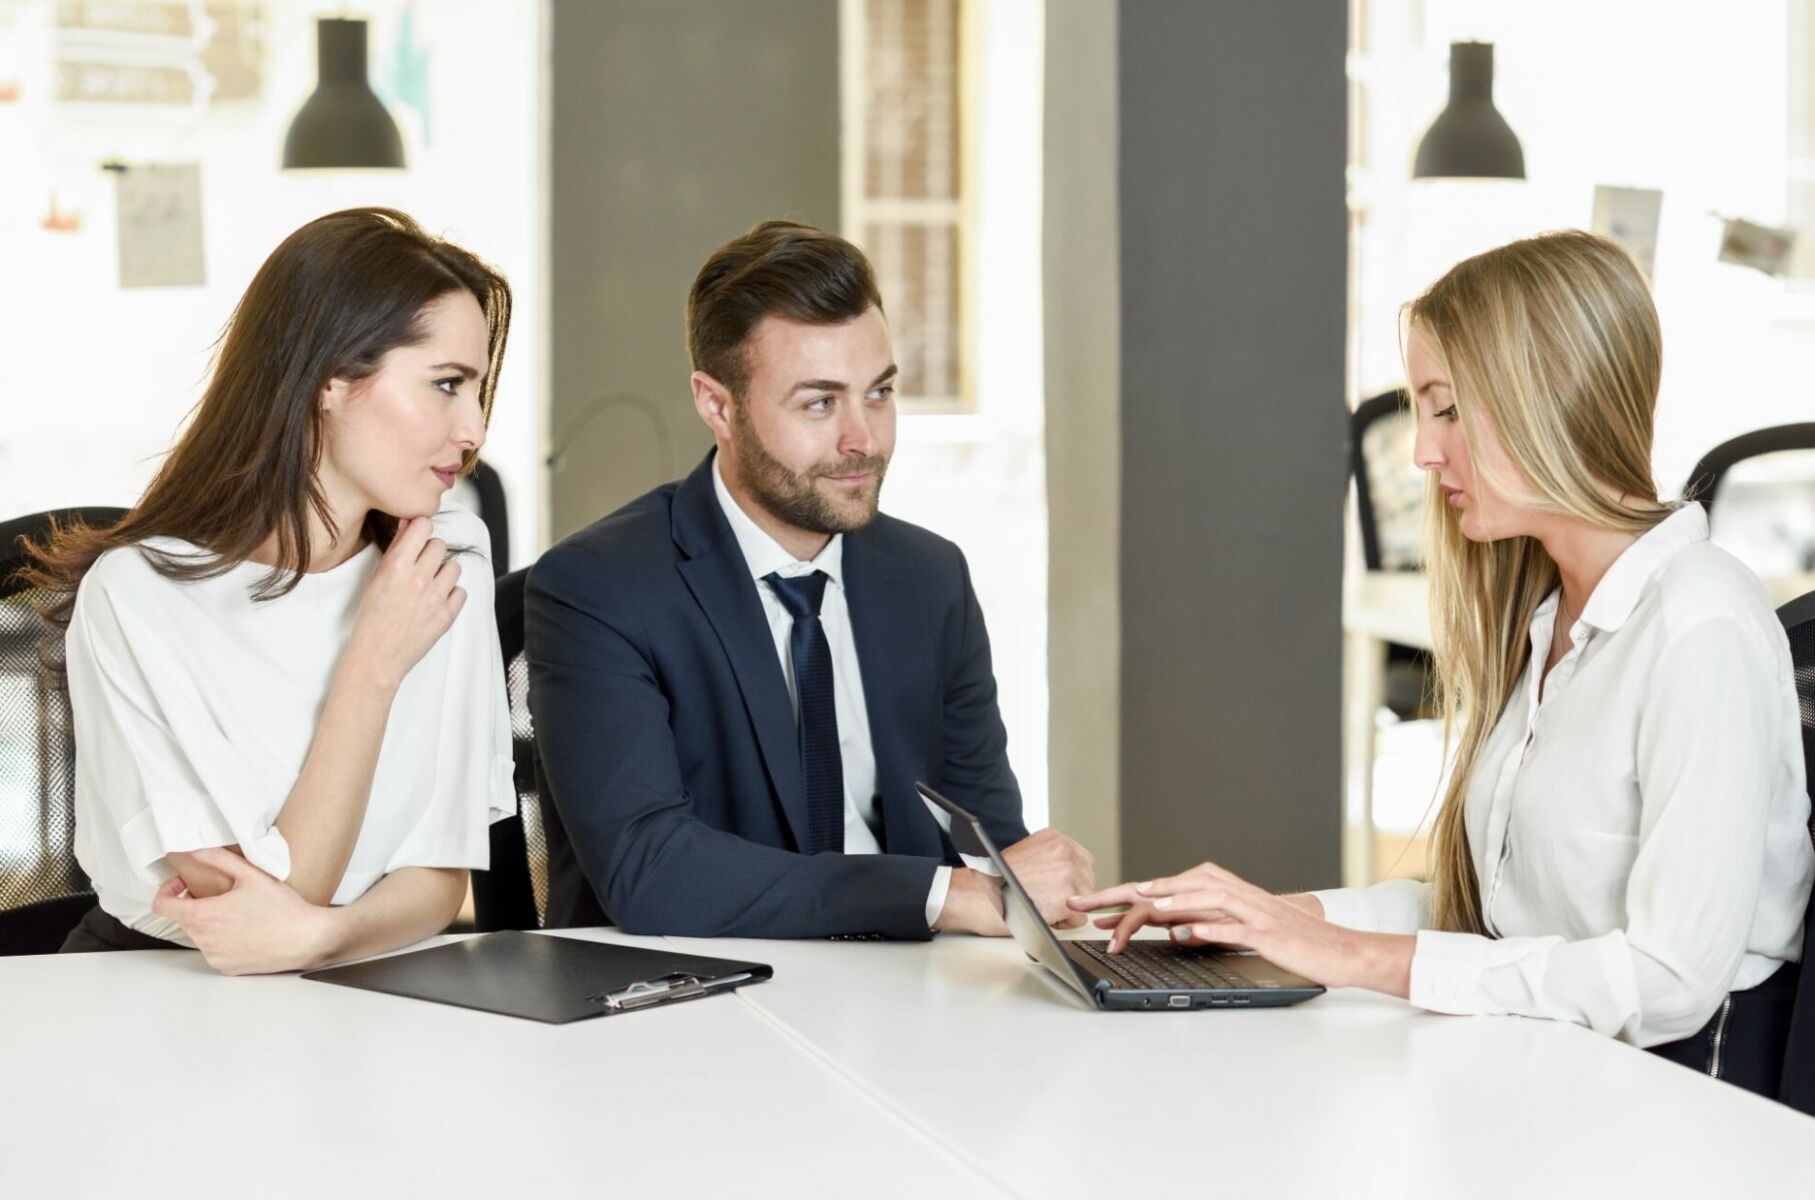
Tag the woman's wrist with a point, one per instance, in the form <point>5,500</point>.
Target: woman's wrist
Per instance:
<point>361,673</point>
<point>1386,960</point>
<point>1306,901</point>
<point>324,937</point>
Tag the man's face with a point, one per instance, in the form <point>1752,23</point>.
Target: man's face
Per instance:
<point>811,436</point>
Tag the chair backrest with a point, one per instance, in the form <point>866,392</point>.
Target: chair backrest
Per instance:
<point>43,892</point>
<point>1704,482</point>
<point>1759,490</point>
<point>1389,490</point>
<point>1798,1090</point>
<point>513,894</point>
<point>494,513</point>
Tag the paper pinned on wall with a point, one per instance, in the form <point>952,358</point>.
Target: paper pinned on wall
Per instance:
<point>1629,216</point>
<point>160,209</point>
<point>1762,247</point>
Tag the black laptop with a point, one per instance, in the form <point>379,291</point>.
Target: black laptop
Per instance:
<point>1146,975</point>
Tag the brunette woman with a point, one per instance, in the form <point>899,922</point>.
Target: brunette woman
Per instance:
<point>290,716</point>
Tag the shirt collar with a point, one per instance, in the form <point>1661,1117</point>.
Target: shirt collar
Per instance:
<point>1618,592</point>
<point>762,553</point>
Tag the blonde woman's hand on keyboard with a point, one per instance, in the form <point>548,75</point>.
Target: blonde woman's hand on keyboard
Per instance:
<point>1209,905</point>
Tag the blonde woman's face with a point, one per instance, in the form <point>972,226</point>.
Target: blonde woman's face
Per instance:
<point>1484,512</point>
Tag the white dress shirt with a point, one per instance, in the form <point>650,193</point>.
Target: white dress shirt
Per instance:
<point>1640,833</point>
<point>195,706</point>
<point>765,556</point>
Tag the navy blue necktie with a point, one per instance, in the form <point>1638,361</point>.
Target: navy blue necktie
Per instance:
<point>820,761</point>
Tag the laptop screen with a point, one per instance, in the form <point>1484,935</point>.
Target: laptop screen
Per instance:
<point>1029,930</point>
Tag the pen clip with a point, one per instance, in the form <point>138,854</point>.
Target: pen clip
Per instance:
<point>652,991</point>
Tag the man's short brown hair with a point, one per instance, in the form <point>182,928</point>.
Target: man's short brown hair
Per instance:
<point>779,268</point>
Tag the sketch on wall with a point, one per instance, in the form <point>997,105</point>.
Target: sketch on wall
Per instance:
<point>1630,216</point>
<point>160,219</point>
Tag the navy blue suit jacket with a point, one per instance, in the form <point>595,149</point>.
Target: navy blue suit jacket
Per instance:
<point>668,742</point>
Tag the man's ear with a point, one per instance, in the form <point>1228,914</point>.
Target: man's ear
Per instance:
<point>713,401</point>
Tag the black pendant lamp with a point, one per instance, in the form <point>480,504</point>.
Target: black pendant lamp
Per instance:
<point>1470,139</point>
<point>343,124</point>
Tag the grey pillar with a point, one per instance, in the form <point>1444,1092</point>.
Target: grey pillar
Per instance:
<point>1233,256</point>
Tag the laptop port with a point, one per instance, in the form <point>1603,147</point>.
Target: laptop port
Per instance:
<point>1242,999</point>
<point>1179,1002</point>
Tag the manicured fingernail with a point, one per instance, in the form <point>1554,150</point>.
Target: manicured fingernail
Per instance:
<point>1203,931</point>
<point>1163,902</point>
<point>1181,933</point>
<point>1143,888</point>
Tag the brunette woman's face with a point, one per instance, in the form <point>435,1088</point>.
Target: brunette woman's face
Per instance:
<point>395,439</point>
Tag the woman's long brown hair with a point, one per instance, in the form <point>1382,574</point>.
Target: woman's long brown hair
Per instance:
<point>329,303</point>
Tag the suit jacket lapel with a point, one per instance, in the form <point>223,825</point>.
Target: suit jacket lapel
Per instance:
<point>719,578</point>
<point>893,648</point>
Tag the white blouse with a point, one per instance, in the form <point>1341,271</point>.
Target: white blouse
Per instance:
<point>194,708</point>
<point>1640,835</point>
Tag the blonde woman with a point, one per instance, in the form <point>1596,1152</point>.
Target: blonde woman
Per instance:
<point>1623,842</point>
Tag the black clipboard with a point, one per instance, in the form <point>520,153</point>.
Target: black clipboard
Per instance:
<point>542,977</point>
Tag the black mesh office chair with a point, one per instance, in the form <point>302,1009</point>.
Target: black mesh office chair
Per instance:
<point>513,894</point>
<point>43,893</point>
<point>492,510</point>
<point>1389,490</point>
<point>1798,1088</point>
<point>1389,507</point>
<point>1705,480</point>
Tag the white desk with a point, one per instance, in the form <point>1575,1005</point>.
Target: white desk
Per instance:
<point>1351,1094</point>
<point>926,1071</point>
<point>146,1075</point>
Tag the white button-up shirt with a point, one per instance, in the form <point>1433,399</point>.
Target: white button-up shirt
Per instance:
<point>765,556</point>
<point>1640,832</point>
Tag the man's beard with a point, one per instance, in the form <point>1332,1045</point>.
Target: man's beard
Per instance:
<point>790,496</point>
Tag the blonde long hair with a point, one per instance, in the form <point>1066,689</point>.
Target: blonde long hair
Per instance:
<point>1554,342</point>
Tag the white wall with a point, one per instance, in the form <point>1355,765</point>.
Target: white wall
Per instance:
<point>1689,99</point>
<point>95,381</point>
<point>980,478</point>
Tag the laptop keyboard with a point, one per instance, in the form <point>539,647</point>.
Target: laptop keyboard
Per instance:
<point>1167,967</point>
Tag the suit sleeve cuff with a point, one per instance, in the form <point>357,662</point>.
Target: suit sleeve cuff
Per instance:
<point>935,896</point>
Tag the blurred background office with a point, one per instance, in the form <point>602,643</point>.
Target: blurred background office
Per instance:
<point>1144,261</point>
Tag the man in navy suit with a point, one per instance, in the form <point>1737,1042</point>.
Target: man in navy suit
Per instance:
<point>738,678</point>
